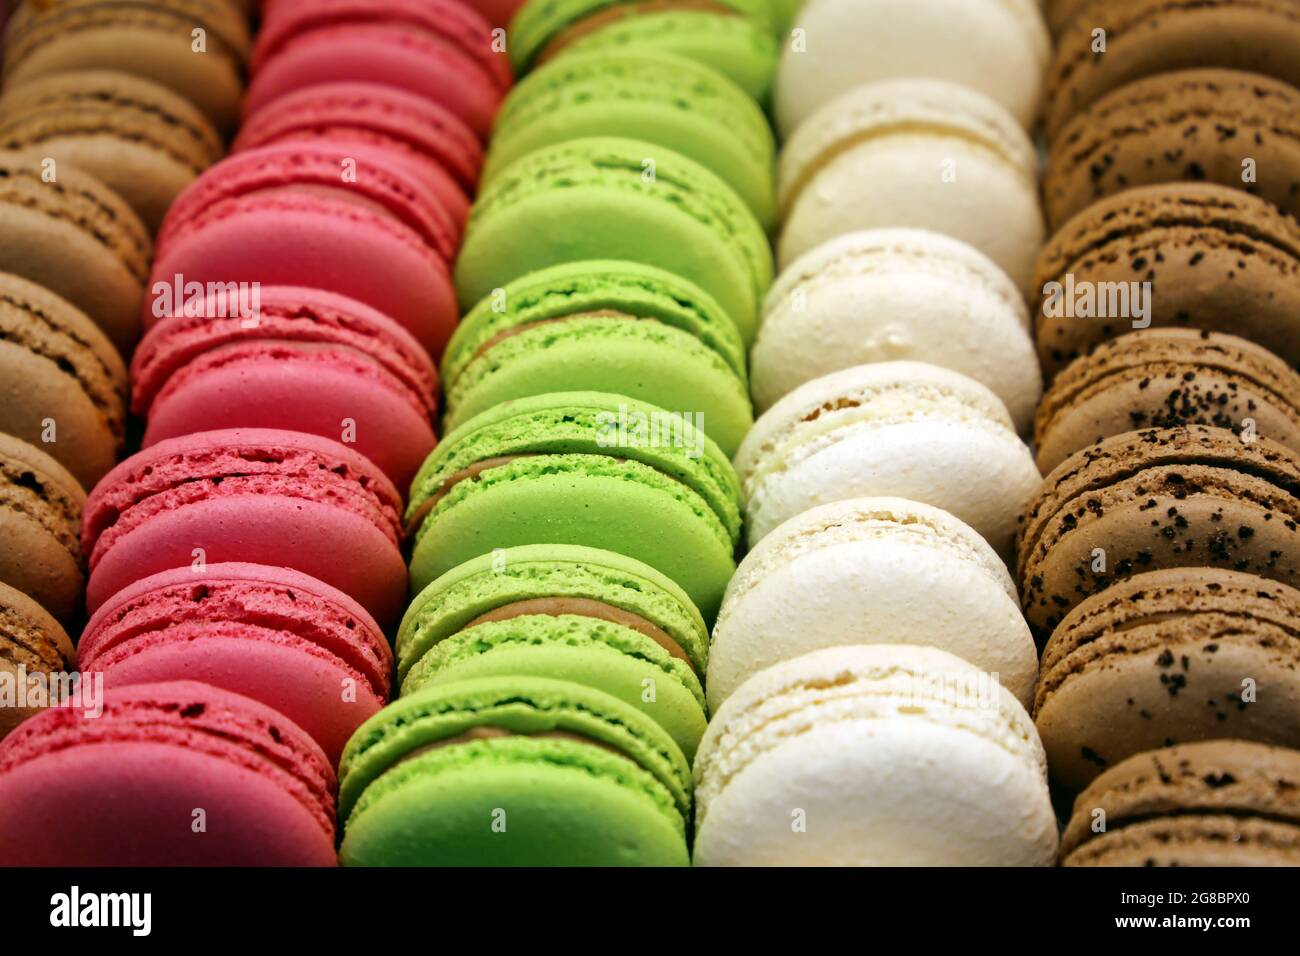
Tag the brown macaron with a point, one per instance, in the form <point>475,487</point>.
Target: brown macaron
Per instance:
<point>1163,378</point>
<point>139,138</point>
<point>197,48</point>
<point>1146,37</point>
<point>62,228</point>
<point>1215,258</point>
<point>1220,126</point>
<point>31,643</point>
<point>62,384</point>
<point>1160,498</point>
<point>1217,803</point>
<point>40,528</point>
<point>1173,656</point>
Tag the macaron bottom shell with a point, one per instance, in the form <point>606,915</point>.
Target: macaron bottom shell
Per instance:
<point>513,801</point>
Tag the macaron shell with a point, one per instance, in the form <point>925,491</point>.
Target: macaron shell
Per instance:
<point>76,218</point>
<point>842,561</point>
<point>157,43</point>
<point>997,47</point>
<point>651,205</point>
<point>264,788</point>
<point>57,366</point>
<point>1157,36</point>
<point>1163,378</point>
<point>142,140</point>
<point>955,161</point>
<point>897,295</point>
<point>33,641</point>
<point>1188,240</point>
<point>39,551</point>
<point>1138,136</point>
<point>608,657</point>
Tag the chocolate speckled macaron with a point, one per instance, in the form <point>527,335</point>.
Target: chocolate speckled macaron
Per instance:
<point>78,238</point>
<point>31,643</point>
<point>1173,656</point>
<point>1218,803</point>
<point>1194,125</point>
<point>1163,378</point>
<point>40,524</point>
<point>1216,258</point>
<point>62,384</point>
<point>139,138</point>
<point>1147,500</point>
<point>198,48</point>
<point>1147,37</point>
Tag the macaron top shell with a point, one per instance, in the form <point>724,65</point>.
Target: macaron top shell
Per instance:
<point>521,707</point>
<point>84,364</point>
<point>249,594</point>
<point>530,576</point>
<point>671,203</point>
<point>306,317</point>
<point>1196,788</point>
<point>381,115</point>
<point>573,423</point>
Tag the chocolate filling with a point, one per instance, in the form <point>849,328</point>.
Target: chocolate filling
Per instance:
<point>585,607</point>
<point>612,14</point>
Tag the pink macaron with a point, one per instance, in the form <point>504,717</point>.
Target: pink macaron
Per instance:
<point>273,634</point>
<point>173,774</point>
<point>439,49</point>
<point>342,218</point>
<point>258,496</point>
<point>436,144</point>
<point>307,361</point>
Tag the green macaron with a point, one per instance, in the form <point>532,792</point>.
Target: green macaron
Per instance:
<point>581,614</point>
<point>737,37</point>
<point>518,771</point>
<point>586,468</point>
<point>656,97</point>
<point>609,198</point>
<point>606,326</point>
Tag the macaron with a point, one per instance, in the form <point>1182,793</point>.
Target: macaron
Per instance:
<point>1173,656</point>
<point>521,771</point>
<point>1146,37</point>
<point>301,360</point>
<point>1163,378</point>
<point>916,153</point>
<point>585,468</point>
<point>897,294</point>
<point>1221,803</point>
<point>499,13</point>
<point>257,496</point>
<point>62,384</point>
<point>647,95</point>
<point>608,326</point>
<point>337,217</point>
<point>273,634</point>
<point>1060,12</point>
<point>438,49</point>
<point>843,560</point>
<point>170,774</point>
<point>1154,499</point>
<point>999,47</point>
<point>569,613</point>
<point>1216,258</point>
<point>617,199</point>
<point>139,138</point>
<point>1243,136</point>
<point>33,645</point>
<point>197,48</point>
<point>734,37</point>
<point>442,151</point>
<point>51,217</point>
<point>898,429</point>
<point>872,755</point>
<point>40,554</point>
